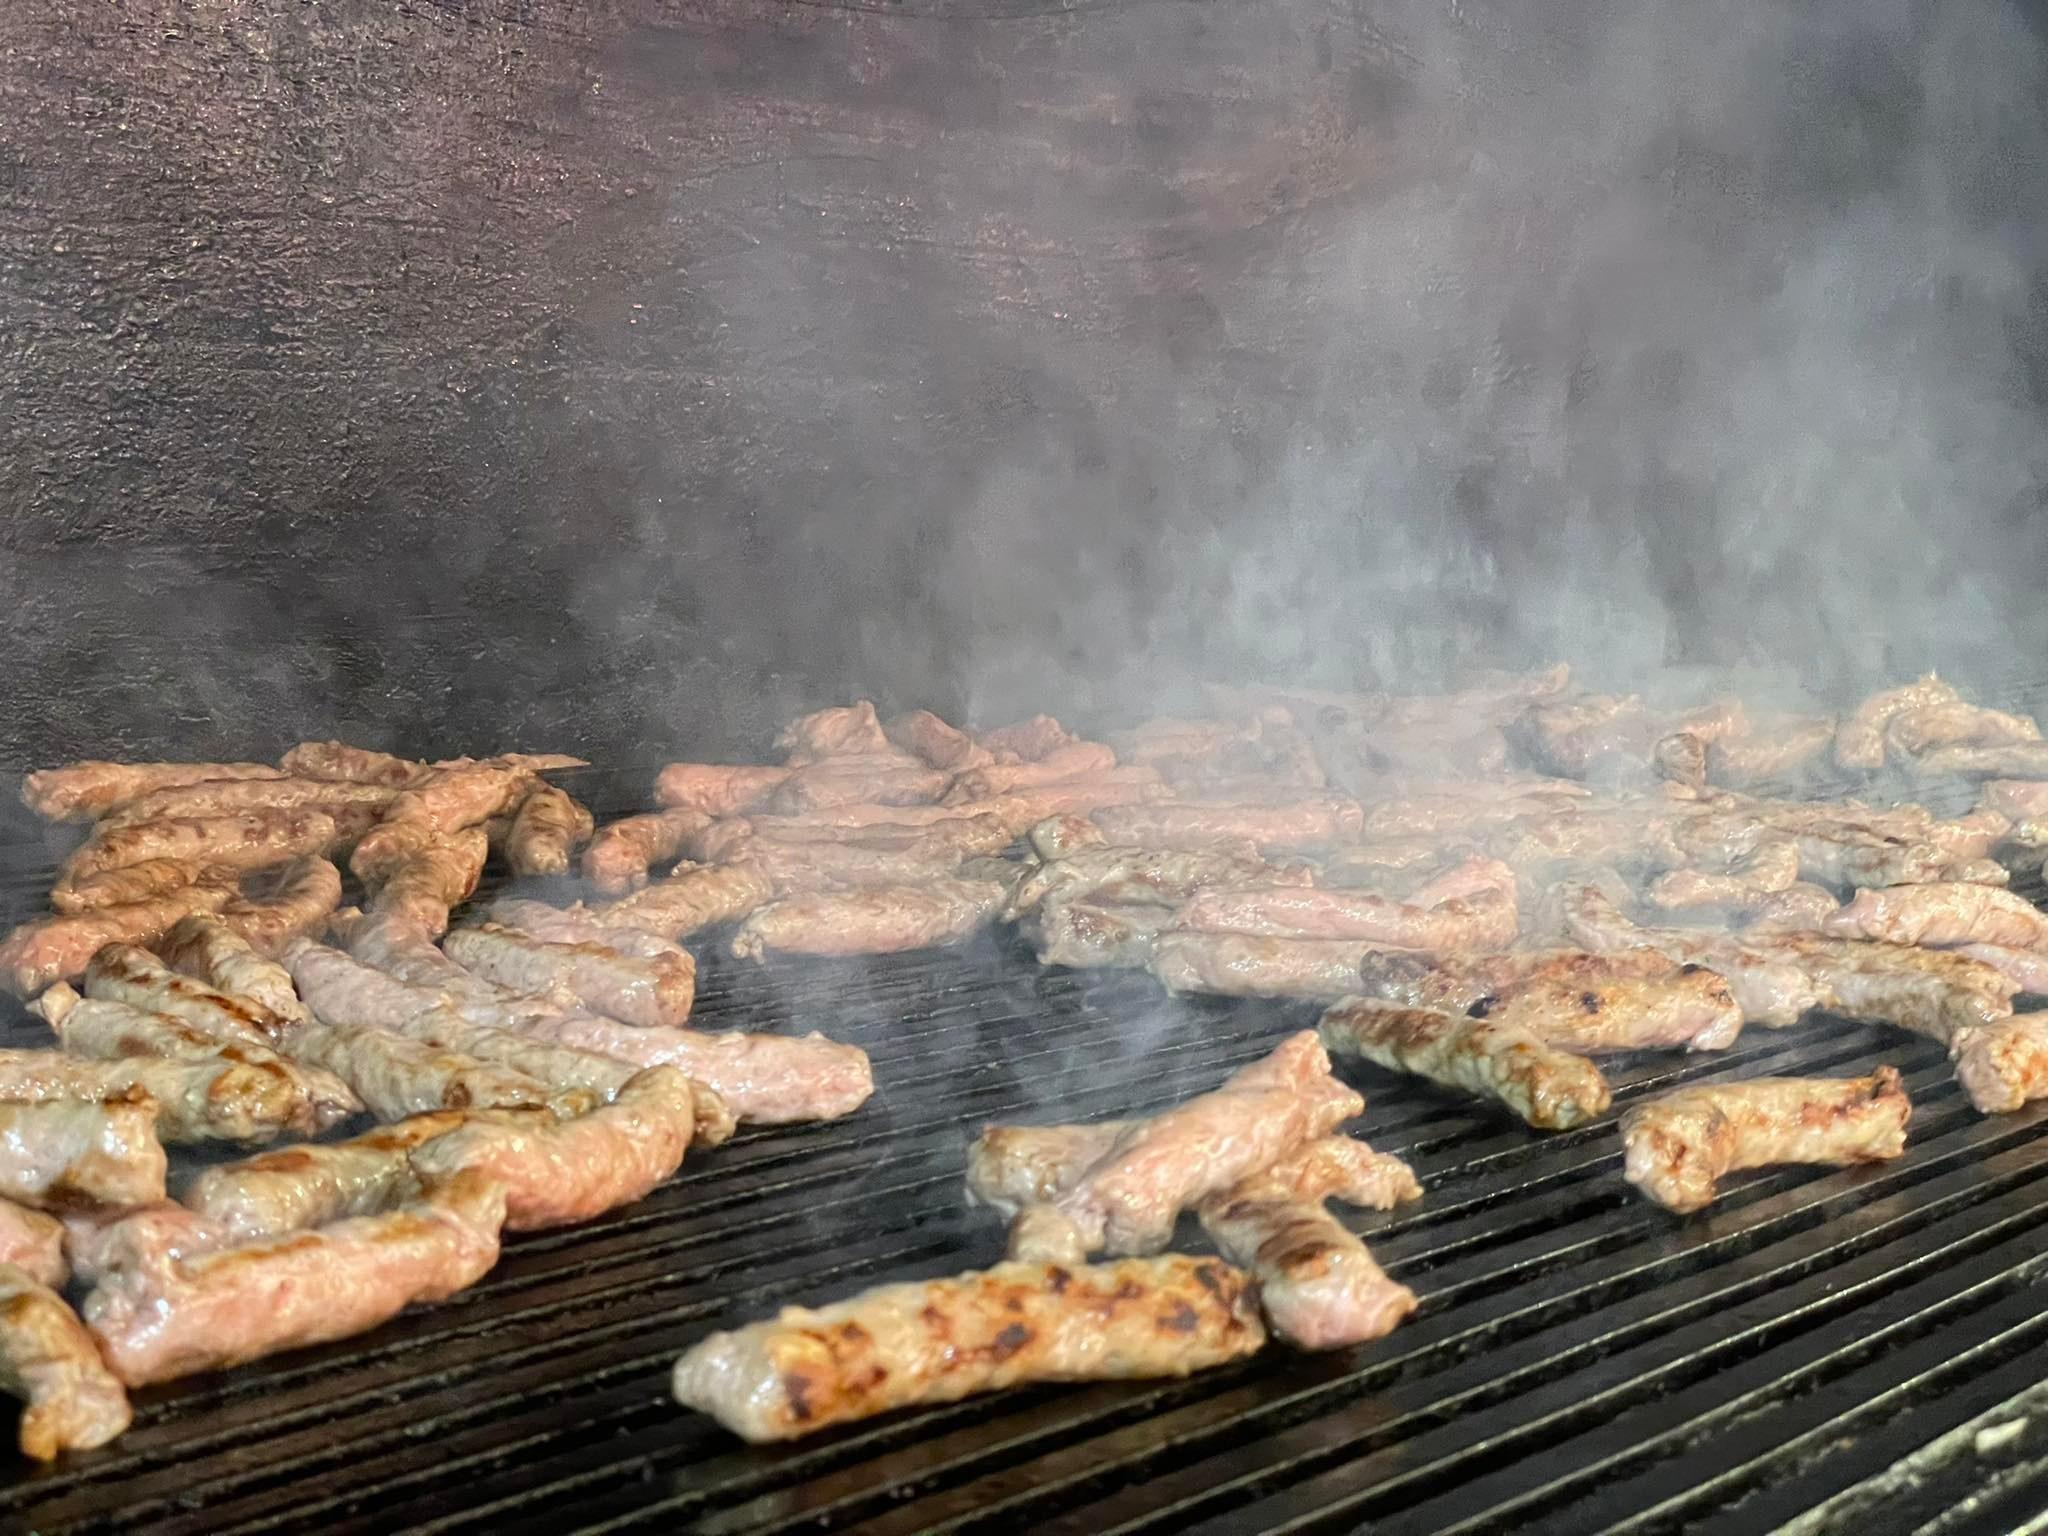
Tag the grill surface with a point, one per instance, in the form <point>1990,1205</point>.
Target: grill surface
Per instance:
<point>1828,1350</point>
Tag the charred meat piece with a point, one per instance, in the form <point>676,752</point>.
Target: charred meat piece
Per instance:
<point>297,899</point>
<point>420,888</point>
<point>48,1360</point>
<point>1299,826</point>
<point>1680,1144</point>
<point>619,856</point>
<point>938,1341</point>
<point>178,1316</point>
<point>848,731</point>
<point>134,882</point>
<point>1028,741</point>
<point>1859,743</point>
<point>205,947</point>
<point>1162,877</point>
<point>339,761</point>
<point>936,744</point>
<point>717,789</point>
<point>196,1099</point>
<point>690,899</point>
<point>626,987</point>
<point>64,1153</point>
<point>1082,933</point>
<point>305,1186</point>
<point>874,919</point>
<point>1076,760</point>
<point>32,1243</point>
<point>547,829</point>
<point>250,840</point>
<point>88,790</point>
<point>1127,1201</point>
<point>1549,1087</point>
<point>1942,915</point>
<point>559,1173</point>
<point>857,781</point>
<point>1243,965</point>
<point>1483,921</point>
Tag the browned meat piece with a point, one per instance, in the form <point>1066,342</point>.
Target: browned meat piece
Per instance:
<point>135,882</point>
<point>559,1173</point>
<point>454,800</point>
<point>937,1341</point>
<point>1064,835</point>
<point>197,1099</point>
<point>1128,1199</point>
<point>1082,933</point>
<point>2017,760</point>
<point>32,1243</point>
<point>717,789</point>
<point>1942,915</point>
<point>48,1360</point>
<point>857,781</point>
<point>63,1153</point>
<point>1911,732</point>
<point>2026,969</point>
<point>343,763</point>
<point>396,1076</point>
<point>936,744</point>
<point>1680,1144</point>
<point>59,948</point>
<point>1242,965</point>
<point>690,899</point>
<point>420,889</point>
<point>1485,920</point>
<point>1774,751</point>
<point>1162,877</point>
<point>2024,805</point>
<point>874,919</point>
<point>546,831</point>
<point>1801,908</point>
<point>354,807</point>
<point>1028,740</point>
<point>85,791</point>
<point>797,868</point>
<point>2003,1065</point>
<point>1547,1086</point>
<point>101,1240</point>
<point>519,762</point>
<point>618,858</point>
<point>1319,1285</point>
<point>1076,760</point>
<point>179,1316</point>
<point>205,947</point>
<point>579,925</point>
<point>1013,1167</point>
<point>1859,743</point>
<point>247,841</point>
<point>1303,825</point>
<point>297,899</point>
<point>626,987</point>
<point>305,1186</point>
<point>848,731</point>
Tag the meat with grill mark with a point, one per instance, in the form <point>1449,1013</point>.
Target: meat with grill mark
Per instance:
<point>342,763</point>
<point>248,840</point>
<point>298,1187</point>
<point>420,888</point>
<point>1245,965</point>
<point>1485,920</point>
<point>626,987</point>
<point>205,947</point>
<point>84,791</point>
<point>547,829</point>
<point>70,1153</point>
<point>873,919</point>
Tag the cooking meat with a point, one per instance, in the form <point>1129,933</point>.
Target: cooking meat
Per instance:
<point>1911,732</point>
<point>2016,760</point>
<point>850,730</point>
<point>1164,739</point>
<point>835,820</point>
<point>1067,834</point>
<point>547,830</point>
<point>559,1173</point>
<point>1680,1144</point>
<point>1604,737</point>
<point>1303,825</point>
<point>618,857</point>
<point>935,743</point>
<point>205,947</point>
<point>421,888</point>
<point>196,1099</point>
<point>634,990</point>
<point>578,925</point>
<point>1318,1284</point>
<point>396,1076</point>
<point>1028,740</point>
<point>1076,760</point>
<point>87,790</point>
<point>1547,1086</point>
<point>2002,1065</point>
<point>1025,808</point>
<point>249,840</point>
<point>874,919</point>
<point>339,761</point>
<point>690,899</point>
<point>1799,908</point>
<point>717,789</point>
<point>100,1240</point>
<point>2026,969</point>
<point>63,1153</point>
<point>1161,877</point>
<point>937,1341</point>
<point>1859,743</point>
<point>134,882</point>
<point>2024,805</point>
<point>452,801</point>
<point>1942,915</point>
<point>1243,965</point>
<point>297,899</point>
<point>1483,921</point>
<point>48,1360</point>
<point>928,852</point>
<point>857,781</point>
<point>32,1243</point>
<point>1774,751</point>
<point>297,1187</point>
<point>179,1316</point>
<point>1127,1201</point>
<point>1082,933</point>
<point>355,806</point>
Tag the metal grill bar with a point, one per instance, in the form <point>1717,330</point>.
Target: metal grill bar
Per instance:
<point>1581,1359</point>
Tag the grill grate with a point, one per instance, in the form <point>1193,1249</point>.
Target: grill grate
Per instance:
<point>1818,1341</point>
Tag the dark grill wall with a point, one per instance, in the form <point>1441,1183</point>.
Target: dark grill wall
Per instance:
<point>633,372</point>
